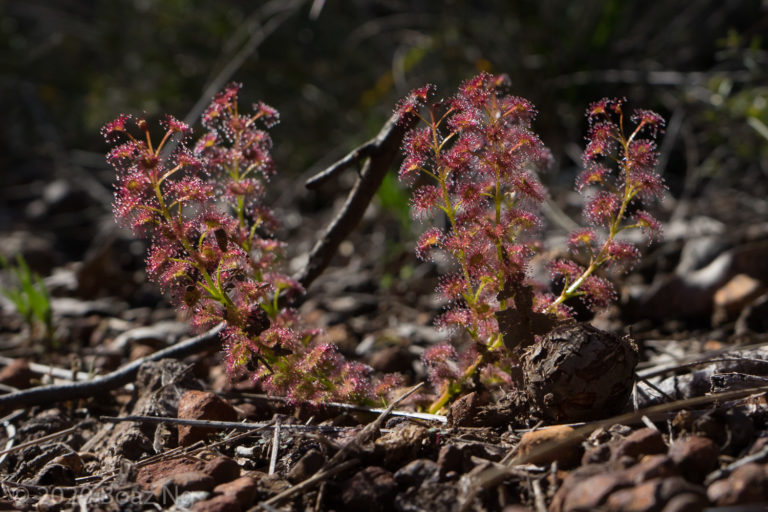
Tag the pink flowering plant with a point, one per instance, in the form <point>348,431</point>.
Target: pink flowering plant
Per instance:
<point>473,161</point>
<point>213,248</point>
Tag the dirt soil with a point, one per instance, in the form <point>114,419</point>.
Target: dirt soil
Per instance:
<point>696,309</point>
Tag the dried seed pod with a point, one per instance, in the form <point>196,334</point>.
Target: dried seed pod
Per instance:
<point>578,372</point>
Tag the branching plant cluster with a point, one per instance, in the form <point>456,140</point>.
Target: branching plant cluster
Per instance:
<point>473,163</point>
<point>213,248</point>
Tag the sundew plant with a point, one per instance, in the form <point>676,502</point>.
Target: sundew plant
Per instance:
<point>473,161</point>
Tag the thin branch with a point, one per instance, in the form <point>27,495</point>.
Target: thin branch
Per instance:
<point>39,440</point>
<point>222,425</point>
<point>275,448</point>
<point>354,157</point>
<point>338,406</point>
<point>381,152</point>
<point>99,385</point>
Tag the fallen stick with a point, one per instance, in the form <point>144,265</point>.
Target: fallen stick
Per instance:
<point>110,381</point>
<point>380,152</point>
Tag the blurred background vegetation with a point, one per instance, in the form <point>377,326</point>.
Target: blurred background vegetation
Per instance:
<point>335,69</point>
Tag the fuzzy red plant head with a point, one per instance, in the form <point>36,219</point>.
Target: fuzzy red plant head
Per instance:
<point>213,248</point>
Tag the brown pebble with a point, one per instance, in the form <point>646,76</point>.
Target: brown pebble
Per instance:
<point>17,374</point>
<point>243,489</point>
<point>450,458</point>
<point>747,484</point>
<point>566,455</point>
<point>695,456</point>
<point>140,350</point>
<point>168,489</point>
<point>222,469</point>
<point>417,472</point>
<point>572,480</point>
<point>650,467</point>
<point>734,296</point>
<point>306,466</point>
<point>589,494</point>
<point>645,441</point>
<point>463,412</point>
<point>596,454</point>
<point>220,503</point>
<point>201,405</point>
<point>651,495</point>
<point>148,475</point>
<point>371,490</point>
<point>686,502</point>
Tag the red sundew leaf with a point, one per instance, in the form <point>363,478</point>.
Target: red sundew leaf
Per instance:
<point>279,337</point>
<point>427,241</point>
<point>566,268</point>
<point>111,130</point>
<point>451,287</point>
<point>268,115</point>
<point>602,208</point>
<point>648,119</point>
<point>442,364</point>
<point>641,154</point>
<point>520,220</point>
<point>595,174</point>
<point>124,155</point>
<point>599,292</point>
<point>599,108</point>
<point>650,226</point>
<point>622,253</point>
<point>189,189</point>
<point>454,317</point>
<point>354,383</point>
<point>414,101</point>
<point>424,200</point>
<point>526,184</point>
<point>474,92</point>
<point>602,141</point>
<point>174,125</point>
<point>582,238</point>
<point>468,119</point>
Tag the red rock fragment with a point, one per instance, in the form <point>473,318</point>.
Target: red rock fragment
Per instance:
<point>686,502</point>
<point>695,456</point>
<point>201,405</point>
<point>650,467</point>
<point>306,466</point>
<point>652,495</point>
<point>150,474</point>
<point>168,489</point>
<point>17,374</point>
<point>645,441</point>
<point>747,484</point>
<point>371,490</point>
<point>533,442</point>
<point>592,492</point>
<point>220,503</point>
<point>222,469</point>
<point>242,489</point>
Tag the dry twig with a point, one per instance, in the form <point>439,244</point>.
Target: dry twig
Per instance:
<point>113,380</point>
<point>381,152</point>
